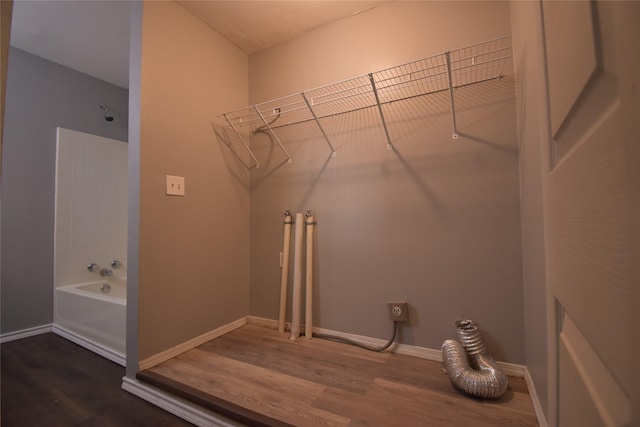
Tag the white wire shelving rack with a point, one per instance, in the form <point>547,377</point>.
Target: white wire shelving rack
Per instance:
<point>444,72</point>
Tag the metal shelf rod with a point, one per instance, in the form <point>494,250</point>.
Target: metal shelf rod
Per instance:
<point>333,151</point>
<point>409,73</point>
<point>335,100</point>
<point>257,165</point>
<point>476,64</point>
<point>284,150</point>
<point>359,91</point>
<point>493,52</point>
<point>384,123</point>
<point>496,49</point>
<point>326,116</point>
<point>443,72</point>
<point>453,107</point>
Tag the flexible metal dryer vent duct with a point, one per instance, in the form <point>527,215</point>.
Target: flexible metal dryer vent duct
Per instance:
<point>473,371</point>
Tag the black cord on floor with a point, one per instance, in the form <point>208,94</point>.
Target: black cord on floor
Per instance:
<point>358,344</point>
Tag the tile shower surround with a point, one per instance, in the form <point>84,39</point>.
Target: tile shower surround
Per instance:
<point>91,205</point>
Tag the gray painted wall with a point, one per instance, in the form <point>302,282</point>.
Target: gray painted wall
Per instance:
<point>532,124</point>
<point>193,264</point>
<point>41,95</point>
<point>434,222</point>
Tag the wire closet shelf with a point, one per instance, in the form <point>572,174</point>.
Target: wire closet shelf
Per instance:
<point>444,72</point>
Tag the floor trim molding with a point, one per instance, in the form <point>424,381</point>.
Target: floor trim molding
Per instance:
<point>178,407</point>
<point>93,346</point>
<point>25,333</point>
<point>188,345</point>
<point>510,369</point>
<point>535,400</point>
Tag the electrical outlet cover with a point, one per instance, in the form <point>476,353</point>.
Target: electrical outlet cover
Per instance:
<point>175,185</point>
<point>398,311</point>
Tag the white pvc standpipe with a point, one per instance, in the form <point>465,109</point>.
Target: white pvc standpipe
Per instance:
<point>297,277</point>
<point>308,323</point>
<point>285,271</point>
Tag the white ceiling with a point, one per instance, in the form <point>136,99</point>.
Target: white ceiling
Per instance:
<point>93,36</point>
<point>257,25</point>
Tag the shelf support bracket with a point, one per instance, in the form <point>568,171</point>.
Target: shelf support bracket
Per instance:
<point>333,152</point>
<point>284,150</point>
<point>454,135</point>
<point>384,123</point>
<point>246,146</point>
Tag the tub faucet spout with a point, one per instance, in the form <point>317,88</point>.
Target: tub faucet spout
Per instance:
<point>106,272</point>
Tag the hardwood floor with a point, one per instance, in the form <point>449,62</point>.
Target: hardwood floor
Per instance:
<point>49,381</point>
<point>268,380</point>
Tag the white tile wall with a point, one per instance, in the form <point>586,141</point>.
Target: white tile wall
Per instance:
<point>91,206</point>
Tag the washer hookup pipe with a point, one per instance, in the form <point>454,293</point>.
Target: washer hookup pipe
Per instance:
<point>284,279</point>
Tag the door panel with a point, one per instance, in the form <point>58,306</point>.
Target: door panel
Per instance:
<point>570,40</point>
<point>589,213</point>
<point>589,247</point>
<point>596,399</point>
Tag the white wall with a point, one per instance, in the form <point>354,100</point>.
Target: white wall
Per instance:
<point>91,206</point>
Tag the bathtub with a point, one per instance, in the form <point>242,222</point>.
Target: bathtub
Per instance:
<point>93,315</point>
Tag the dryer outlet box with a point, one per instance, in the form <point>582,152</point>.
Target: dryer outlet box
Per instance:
<point>398,311</point>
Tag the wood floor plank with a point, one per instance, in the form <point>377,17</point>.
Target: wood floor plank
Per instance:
<point>442,410</point>
<point>401,404</point>
<point>250,332</point>
<point>515,400</point>
<point>231,376</point>
<point>262,390</point>
<point>295,358</point>
<point>418,372</point>
<point>318,382</point>
<point>49,381</point>
<point>208,401</point>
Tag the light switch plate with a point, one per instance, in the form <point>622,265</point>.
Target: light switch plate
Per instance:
<point>175,185</point>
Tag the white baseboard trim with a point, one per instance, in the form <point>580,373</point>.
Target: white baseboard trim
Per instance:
<point>510,369</point>
<point>263,321</point>
<point>107,353</point>
<point>535,400</point>
<point>25,333</point>
<point>179,407</point>
<point>188,345</point>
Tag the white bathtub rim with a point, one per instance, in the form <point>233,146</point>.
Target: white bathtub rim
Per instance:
<point>100,349</point>
<point>96,288</point>
<point>75,289</point>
